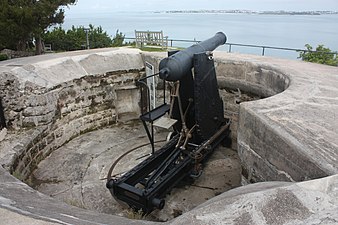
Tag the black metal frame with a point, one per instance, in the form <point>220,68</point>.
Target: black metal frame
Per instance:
<point>151,115</point>
<point>146,185</point>
<point>159,173</point>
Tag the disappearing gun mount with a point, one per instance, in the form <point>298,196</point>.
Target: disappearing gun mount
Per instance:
<point>200,128</point>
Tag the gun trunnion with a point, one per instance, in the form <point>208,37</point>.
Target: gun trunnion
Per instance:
<point>198,109</point>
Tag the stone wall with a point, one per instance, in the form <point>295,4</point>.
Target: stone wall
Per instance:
<point>40,119</point>
<point>70,109</point>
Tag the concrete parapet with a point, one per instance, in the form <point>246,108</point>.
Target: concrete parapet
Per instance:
<point>311,202</point>
<point>292,135</point>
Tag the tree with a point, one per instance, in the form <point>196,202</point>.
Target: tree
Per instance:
<point>57,38</point>
<point>98,38</point>
<point>15,24</point>
<point>47,13</point>
<point>75,38</point>
<point>23,20</point>
<point>321,55</point>
<point>118,39</point>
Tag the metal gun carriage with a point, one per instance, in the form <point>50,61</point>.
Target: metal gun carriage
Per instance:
<point>199,126</point>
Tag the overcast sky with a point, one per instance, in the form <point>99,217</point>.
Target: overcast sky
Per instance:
<point>97,6</point>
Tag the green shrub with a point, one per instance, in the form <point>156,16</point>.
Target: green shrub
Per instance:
<point>321,55</point>
<point>76,38</point>
<point>118,39</point>
<point>3,57</point>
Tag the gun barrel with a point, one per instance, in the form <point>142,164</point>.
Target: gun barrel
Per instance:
<point>174,67</point>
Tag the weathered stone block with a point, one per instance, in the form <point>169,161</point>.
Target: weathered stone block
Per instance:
<point>34,150</point>
<point>59,132</point>
<point>38,120</point>
<point>3,133</point>
<point>270,146</point>
<point>231,70</point>
<point>39,110</point>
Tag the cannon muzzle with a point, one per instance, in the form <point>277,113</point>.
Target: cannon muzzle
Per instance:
<point>176,66</point>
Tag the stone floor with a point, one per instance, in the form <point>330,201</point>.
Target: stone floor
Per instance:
<point>76,172</point>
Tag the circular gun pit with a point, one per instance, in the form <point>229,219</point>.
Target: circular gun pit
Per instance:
<point>69,158</point>
<point>76,172</point>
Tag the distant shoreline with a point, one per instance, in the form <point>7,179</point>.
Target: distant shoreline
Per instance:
<point>279,12</point>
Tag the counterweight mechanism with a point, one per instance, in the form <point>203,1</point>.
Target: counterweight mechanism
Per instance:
<point>198,109</point>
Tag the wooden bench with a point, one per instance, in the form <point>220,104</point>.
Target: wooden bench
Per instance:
<point>154,38</point>
<point>47,47</point>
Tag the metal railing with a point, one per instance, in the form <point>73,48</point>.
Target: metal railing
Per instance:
<point>262,47</point>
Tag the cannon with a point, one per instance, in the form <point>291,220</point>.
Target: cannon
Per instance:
<point>176,66</point>
<point>199,127</point>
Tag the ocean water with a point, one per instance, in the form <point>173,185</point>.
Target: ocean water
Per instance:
<point>287,31</point>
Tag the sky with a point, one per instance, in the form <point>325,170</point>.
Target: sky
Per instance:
<point>106,6</point>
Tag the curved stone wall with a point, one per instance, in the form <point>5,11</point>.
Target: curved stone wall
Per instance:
<point>255,78</point>
<point>291,136</point>
<point>42,116</point>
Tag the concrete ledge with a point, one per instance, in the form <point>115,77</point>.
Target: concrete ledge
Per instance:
<point>47,71</point>
<point>23,200</point>
<point>289,136</point>
<point>311,202</point>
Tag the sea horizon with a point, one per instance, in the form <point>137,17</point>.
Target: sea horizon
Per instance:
<point>285,31</point>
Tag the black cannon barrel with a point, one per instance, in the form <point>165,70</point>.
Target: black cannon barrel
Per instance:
<point>174,67</point>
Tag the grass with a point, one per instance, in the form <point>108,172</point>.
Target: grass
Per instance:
<point>17,175</point>
<point>152,48</point>
<point>135,215</point>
